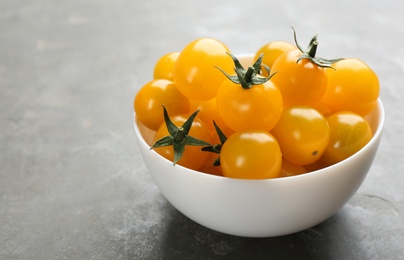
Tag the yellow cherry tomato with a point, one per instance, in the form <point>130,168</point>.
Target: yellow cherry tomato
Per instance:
<point>152,96</point>
<point>349,133</point>
<point>272,50</point>
<point>164,68</point>
<point>251,154</point>
<point>258,107</point>
<point>352,86</point>
<point>194,72</point>
<point>303,134</point>
<point>301,82</point>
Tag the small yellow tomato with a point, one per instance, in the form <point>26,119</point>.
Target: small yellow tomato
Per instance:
<point>352,86</point>
<point>303,134</point>
<point>349,133</point>
<point>301,82</point>
<point>194,72</point>
<point>258,107</point>
<point>152,96</point>
<point>251,154</point>
<point>164,68</point>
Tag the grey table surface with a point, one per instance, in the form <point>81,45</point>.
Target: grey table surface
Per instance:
<point>72,182</point>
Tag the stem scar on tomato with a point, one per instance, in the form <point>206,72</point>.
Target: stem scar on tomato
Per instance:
<point>310,53</point>
<point>178,136</point>
<point>216,148</point>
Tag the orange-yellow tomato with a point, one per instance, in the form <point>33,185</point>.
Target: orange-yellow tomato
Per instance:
<point>352,86</point>
<point>303,134</point>
<point>251,154</point>
<point>272,50</point>
<point>152,96</point>
<point>301,83</point>
<point>164,67</point>
<point>256,108</point>
<point>349,133</point>
<point>192,158</point>
<point>194,72</point>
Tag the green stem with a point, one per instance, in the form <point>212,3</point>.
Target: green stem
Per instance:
<point>179,135</point>
<point>313,49</point>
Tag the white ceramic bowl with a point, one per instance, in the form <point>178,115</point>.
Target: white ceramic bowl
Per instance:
<point>261,208</point>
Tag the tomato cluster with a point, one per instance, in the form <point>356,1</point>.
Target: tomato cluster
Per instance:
<point>289,112</point>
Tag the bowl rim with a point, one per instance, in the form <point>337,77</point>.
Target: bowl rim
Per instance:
<point>376,135</point>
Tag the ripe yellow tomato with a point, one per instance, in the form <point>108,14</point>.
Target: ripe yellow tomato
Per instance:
<point>301,83</point>
<point>352,86</point>
<point>258,107</point>
<point>272,50</point>
<point>303,134</point>
<point>194,72</point>
<point>192,158</point>
<point>164,67</point>
<point>251,154</point>
<point>349,133</point>
<point>152,96</point>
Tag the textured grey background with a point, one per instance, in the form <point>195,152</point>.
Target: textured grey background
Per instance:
<point>72,182</point>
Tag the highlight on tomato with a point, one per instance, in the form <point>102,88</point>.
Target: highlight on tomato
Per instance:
<point>301,75</point>
<point>303,134</point>
<point>352,86</point>
<point>194,71</point>
<point>248,100</point>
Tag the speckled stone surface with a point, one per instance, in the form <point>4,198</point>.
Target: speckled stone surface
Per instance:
<point>72,182</point>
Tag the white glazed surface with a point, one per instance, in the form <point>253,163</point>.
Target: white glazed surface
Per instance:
<point>261,208</point>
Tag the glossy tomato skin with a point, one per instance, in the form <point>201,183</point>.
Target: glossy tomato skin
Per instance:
<point>256,108</point>
<point>349,133</point>
<point>303,134</point>
<point>152,96</point>
<point>251,154</point>
<point>194,72</point>
<point>352,86</point>
<point>164,67</point>
<point>301,83</point>
<point>192,158</point>
<point>272,50</point>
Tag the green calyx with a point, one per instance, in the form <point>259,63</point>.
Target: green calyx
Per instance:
<point>247,77</point>
<point>178,136</point>
<point>310,53</point>
<point>216,148</point>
